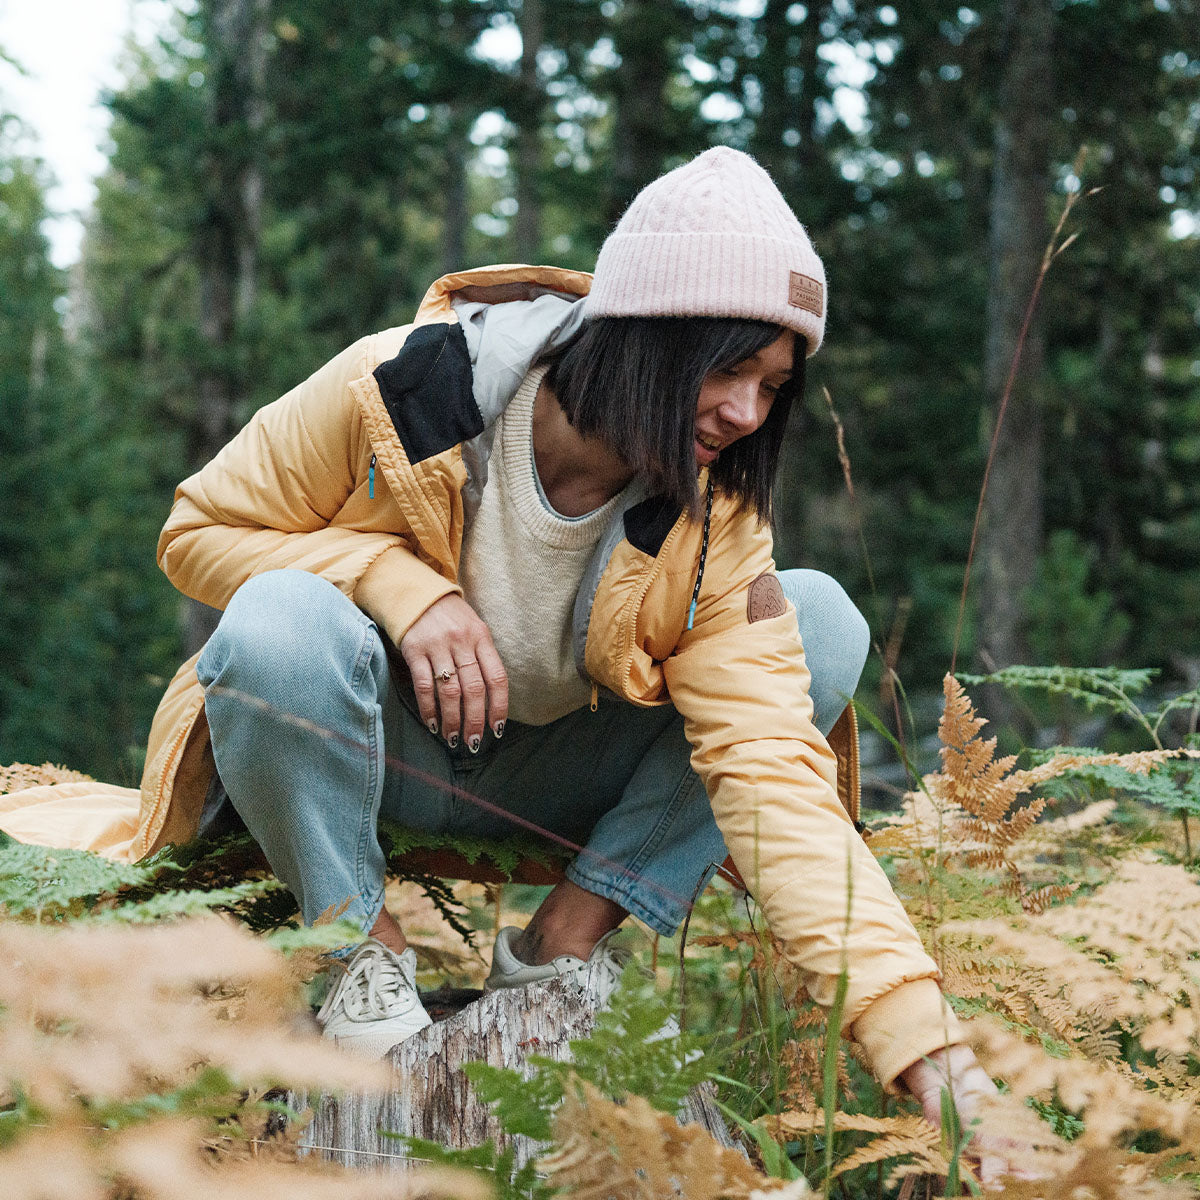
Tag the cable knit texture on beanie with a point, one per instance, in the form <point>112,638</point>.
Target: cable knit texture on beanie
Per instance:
<point>713,238</point>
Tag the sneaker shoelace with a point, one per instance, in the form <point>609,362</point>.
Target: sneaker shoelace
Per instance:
<point>375,987</point>
<point>604,973</point>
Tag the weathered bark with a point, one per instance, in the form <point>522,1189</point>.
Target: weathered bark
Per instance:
<point>229,240</point>
<point>527,233</point>
<point>1011,532</point>
<point>432,1098</point>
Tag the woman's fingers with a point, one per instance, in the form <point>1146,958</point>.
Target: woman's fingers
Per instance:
<point>474,702</point>
<point>495,679</point>
<point>972,1091</point>
<point>423,687</point>
<point>449,694</point>
<point>459,681</point>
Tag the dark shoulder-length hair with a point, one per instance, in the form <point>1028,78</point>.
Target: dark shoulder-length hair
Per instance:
<point>634,382</point>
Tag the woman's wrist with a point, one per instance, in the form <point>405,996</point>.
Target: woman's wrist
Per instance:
<point>954,1069</point>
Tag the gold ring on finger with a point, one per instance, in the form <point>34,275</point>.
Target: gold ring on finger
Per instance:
<point>446,675</point>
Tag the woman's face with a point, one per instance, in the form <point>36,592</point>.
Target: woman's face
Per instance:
<point>735,401</point>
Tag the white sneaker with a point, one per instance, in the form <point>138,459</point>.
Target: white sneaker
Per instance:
<point>374,1005</point>
<point>599,973</point>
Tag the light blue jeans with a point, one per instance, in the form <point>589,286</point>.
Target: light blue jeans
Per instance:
<point>301,705</point>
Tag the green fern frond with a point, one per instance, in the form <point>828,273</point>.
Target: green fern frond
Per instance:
<point>505,854</point>
<point>1107,688</point>
<point>166,905</point>
<point>1172,786</point>
<point>41,883</point>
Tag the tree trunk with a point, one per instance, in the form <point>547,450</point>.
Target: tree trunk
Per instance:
<point>229,239</point>
<point>1011,533</point>
<point>432,1099</point>
<point>528,231</point>
<point>454,223</point>
<point>787,137</point>
<point>640,139</point>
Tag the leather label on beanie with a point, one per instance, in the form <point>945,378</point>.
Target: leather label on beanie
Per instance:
<point>765,599</point>
<point>807,293</point>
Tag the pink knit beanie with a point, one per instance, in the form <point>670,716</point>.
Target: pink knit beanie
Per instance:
<point>713,238</point>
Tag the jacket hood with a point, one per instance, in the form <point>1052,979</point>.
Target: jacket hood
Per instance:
<point>496,285</point>
<point>509,316</point>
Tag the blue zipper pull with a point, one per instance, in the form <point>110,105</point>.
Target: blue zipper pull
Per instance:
<point>371,479</point>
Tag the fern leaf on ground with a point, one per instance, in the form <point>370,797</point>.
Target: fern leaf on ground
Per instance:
<point>17,776</point>
<point>631,1150</point>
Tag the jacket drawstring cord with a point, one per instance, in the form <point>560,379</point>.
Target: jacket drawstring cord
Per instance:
<point>371,479</point>
<point>708,498</point>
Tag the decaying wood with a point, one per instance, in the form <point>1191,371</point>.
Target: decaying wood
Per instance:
<point>432,1098</point>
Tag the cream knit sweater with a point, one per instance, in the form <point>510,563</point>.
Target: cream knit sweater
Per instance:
<point>522,564</point>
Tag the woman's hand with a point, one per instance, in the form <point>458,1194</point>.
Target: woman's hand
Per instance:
<point>957,1068</point>
<point>457,675</point>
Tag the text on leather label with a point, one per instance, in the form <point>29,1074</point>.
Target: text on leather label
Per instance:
<point>807,293</point>
<point>765,599</point>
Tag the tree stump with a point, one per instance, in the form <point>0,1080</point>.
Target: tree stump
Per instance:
<point>432,1098</point>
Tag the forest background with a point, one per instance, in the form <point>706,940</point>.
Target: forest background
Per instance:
<point>288,175</point>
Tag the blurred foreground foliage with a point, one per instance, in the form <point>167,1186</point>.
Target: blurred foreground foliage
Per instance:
<point>140,1033</point>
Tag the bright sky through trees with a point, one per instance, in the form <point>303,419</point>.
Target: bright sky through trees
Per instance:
<point>63,53</point>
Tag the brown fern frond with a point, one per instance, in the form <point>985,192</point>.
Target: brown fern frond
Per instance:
<point>797,1123</point>
<point>960,723</point>
<point>990,858</point>
<point>907,1135</point>
<point>631,1150</point>
<point>18,776</point>
<point>1038,901</point>
<point>927,1159</point>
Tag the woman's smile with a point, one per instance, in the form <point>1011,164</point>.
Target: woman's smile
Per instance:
<point>735,400</point>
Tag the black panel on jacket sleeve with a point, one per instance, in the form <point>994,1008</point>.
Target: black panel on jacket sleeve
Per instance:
<point>426,389</point>
<point>647,524</point>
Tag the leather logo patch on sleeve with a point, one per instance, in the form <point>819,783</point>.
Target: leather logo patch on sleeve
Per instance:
<point>807,293</point>
<point>765,599</point>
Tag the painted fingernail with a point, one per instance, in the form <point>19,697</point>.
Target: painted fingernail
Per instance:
<point>473,744</point>
<point>432,723</point>
<point>499,729</point>
<point>452,740</point>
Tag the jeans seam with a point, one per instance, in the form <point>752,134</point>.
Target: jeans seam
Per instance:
<point>365,654</point>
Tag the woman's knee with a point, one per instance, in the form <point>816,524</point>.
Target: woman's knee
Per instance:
<point>281,629</point>
<point>836,639</point>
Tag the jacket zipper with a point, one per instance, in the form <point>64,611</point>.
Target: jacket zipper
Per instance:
<point>371,479</point>
<point>635,603</point>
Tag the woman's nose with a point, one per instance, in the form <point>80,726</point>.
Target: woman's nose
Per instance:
<point>740,408</point>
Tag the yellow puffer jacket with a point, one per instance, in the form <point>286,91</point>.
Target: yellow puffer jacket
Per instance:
<point>361,475</point>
